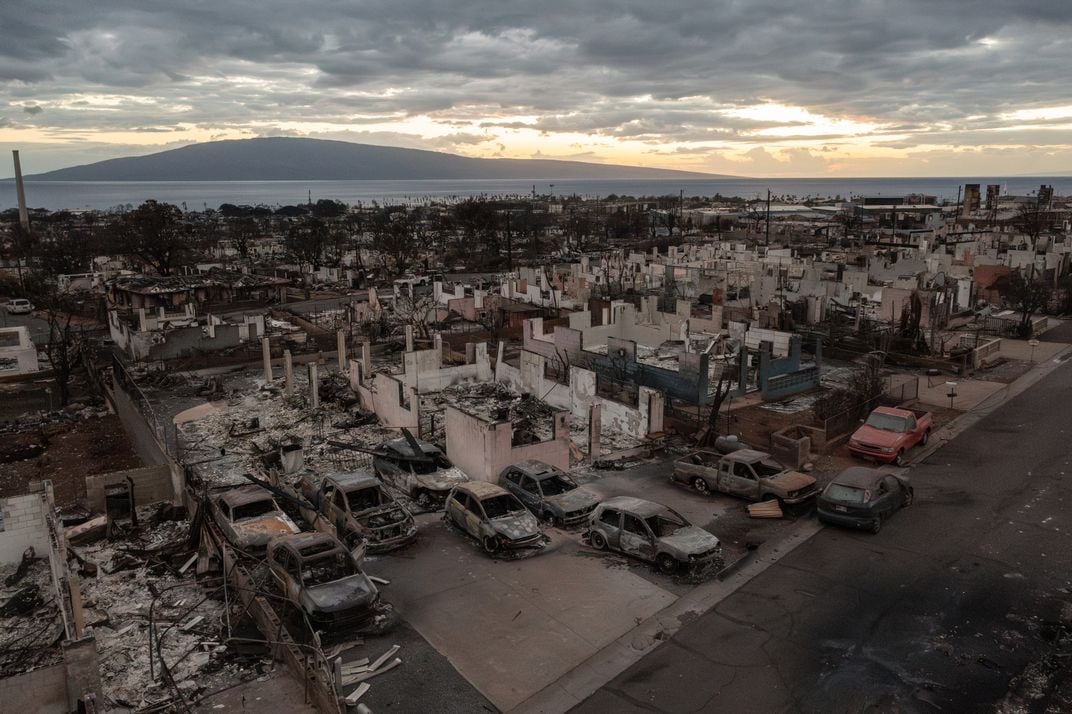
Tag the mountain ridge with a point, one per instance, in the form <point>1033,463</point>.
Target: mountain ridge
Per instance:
<point>303,159</point>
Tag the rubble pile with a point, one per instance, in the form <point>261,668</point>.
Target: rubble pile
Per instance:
<point>30,624</point>
<point>139,580</point>
<point>530,417</point>
<point>73,412</point>
<point>235,440</point>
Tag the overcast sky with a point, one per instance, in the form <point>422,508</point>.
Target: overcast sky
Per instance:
<point>746,87</point>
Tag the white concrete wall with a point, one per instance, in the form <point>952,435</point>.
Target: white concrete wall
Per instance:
<point>384,396</point>
<point>22,352</point>
<point>425,372</point>
<point>24,525</point>
<point>482,449</point>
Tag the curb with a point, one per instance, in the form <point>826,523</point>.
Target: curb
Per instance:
<point>582,681</point>
<point>585,679</point>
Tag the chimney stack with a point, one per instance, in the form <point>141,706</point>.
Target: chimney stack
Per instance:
<point>24,215</point>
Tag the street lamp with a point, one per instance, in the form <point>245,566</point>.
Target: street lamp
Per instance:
<point>952,393</point>
<point>1034,343</point>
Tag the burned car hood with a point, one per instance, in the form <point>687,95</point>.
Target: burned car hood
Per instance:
<point>516,526</point>
<point>690,541</point>
<point>349,592</point>
<point>575,500</point>
<point>792,481</point>
<point>877,437</point>
<point>258,531</point>
<point>443,480</point>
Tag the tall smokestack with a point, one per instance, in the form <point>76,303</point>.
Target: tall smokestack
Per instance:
<point>24,215</point>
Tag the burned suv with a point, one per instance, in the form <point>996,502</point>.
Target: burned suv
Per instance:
<point>549,493</point>
<point>493,516</point>
<point>652,532</point>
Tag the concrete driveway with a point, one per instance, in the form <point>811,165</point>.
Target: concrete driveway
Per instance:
<point>513,627</point>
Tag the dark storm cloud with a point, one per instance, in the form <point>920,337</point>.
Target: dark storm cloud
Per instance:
<point>626,69</point>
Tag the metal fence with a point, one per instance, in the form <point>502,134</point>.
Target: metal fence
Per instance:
<point>900,389</point>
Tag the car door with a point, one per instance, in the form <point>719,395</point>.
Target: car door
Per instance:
<point>636,539</point>
<point>610,524</point>
<point>474,516</point>
<point>530,493</point>
<point>340,509</point>
<point>891,495</point>
<point>456,508</point>
<point>740,480</point>
<point>511,481</point>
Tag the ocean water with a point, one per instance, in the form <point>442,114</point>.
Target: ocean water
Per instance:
<point>197,195</point>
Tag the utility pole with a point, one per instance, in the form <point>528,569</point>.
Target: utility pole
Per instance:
<point>509,244</point>
<point>681,212</point>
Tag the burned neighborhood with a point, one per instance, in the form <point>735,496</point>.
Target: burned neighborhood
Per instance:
<point>537,454</point>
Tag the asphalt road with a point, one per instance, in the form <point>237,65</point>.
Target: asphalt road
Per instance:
<point>954,606</point>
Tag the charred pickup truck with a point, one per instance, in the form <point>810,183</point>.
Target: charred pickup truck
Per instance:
<point>356,507</point>
<point>890,432</point>
<point>318,575</point>
<point>747,473</point>
<point>249,517</point>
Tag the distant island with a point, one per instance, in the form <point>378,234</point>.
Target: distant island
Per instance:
<point>296,159</point>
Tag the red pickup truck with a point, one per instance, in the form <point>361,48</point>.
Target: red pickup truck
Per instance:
<point>889,433</point>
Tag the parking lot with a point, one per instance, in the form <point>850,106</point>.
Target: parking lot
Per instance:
<point>513,627</point>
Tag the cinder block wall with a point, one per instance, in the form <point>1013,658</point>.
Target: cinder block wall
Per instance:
<point>152,484</point>
<point>41,691</point>
<point>24,525</point>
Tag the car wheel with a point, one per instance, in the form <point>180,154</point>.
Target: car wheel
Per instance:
<point>701,486</point>
<point>908,497</point>
<point>926,437</point>
<point>899,460</point>
<point>876,526</point>
<point>666,563</point>
<point>424,500</point>
<point>598,540</point>
<point>550,519</point>
<point>491,544</point>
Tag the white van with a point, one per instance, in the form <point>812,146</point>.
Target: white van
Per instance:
<point>19,306</point>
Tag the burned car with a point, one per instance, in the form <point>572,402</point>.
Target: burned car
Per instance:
<point>549,493</point>
<point>321,577</point>
<point>747,473</point>
<point>493,516</point>
<point>859,497</point>
<point>418,469</point>
<point>356,507</point>
<point>249,517</point>
<point>652,532</point>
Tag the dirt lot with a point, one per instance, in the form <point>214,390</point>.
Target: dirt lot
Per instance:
<point>71,451</point>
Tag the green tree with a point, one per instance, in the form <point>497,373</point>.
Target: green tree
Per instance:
<point>157,234</point>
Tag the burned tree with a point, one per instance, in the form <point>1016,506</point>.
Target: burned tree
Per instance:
<point>721,391</point>
<point>156,233</point>
<point>66,341</point>
<point>1027,295</point>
